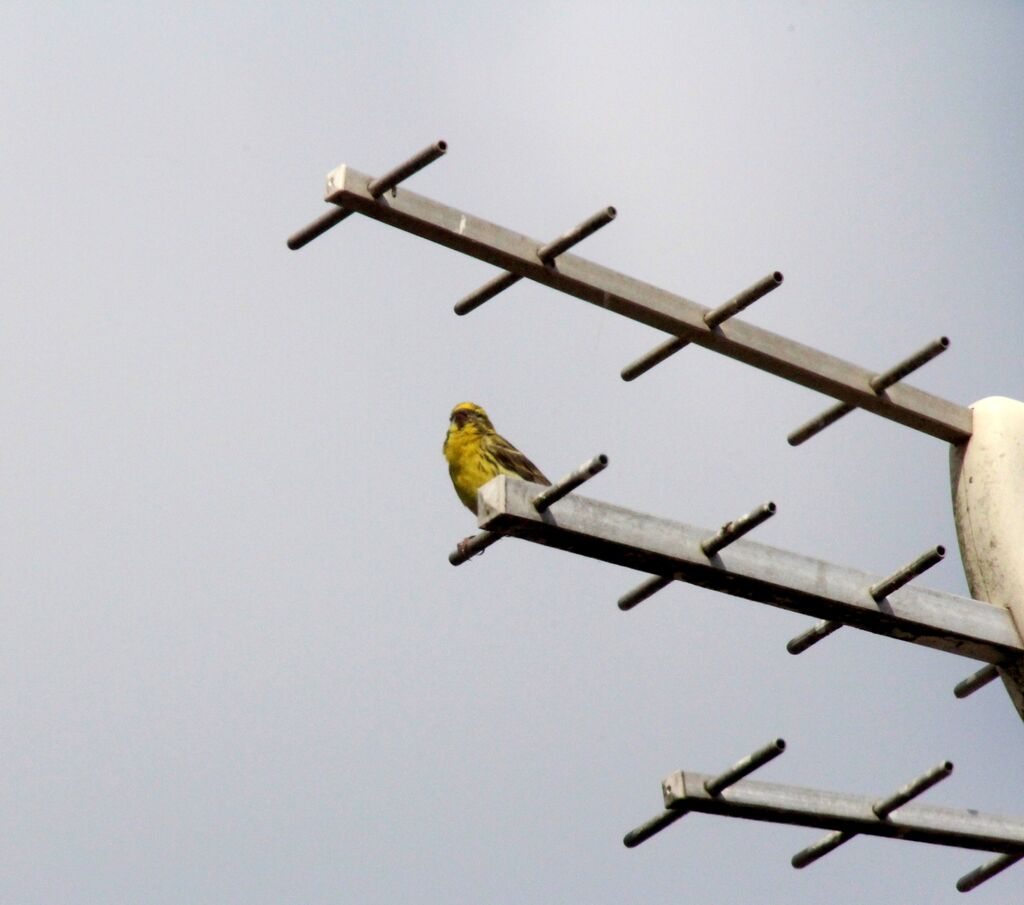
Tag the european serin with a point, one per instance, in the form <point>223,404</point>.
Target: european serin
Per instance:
<point>476,453</point>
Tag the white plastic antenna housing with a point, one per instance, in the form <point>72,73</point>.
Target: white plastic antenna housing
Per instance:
<point>987,479</point>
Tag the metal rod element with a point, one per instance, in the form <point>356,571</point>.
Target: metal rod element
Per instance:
<point>911,790</point>
<point>712,785</point>
<point>819,849</point>
<point>403,171</point>
<point>547,253</point>
<point>879,384</point>
<point>813,635</point>
<point>882,809</point>
<point>564,486</point>
<point>317,228</point>
<point>644,590</point>
<point>986,872</point>
<point>655,825</point>
<point>734,530</point>
<point>743,300</point>
<point>817,425</point>
<point>655,357</point>
<point>878,591</point>
<point>469,547</point>
<point>909,572</point>
<point>486,292</point>
<point>376,188</point>
<point>973,682</point>
<point>712,318</point>
<point>718,784</point>
<point>725,535</point>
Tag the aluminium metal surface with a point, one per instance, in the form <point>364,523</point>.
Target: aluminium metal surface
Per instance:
<point>751,570</point>
<point>753,800</point>
<point>648,304</point>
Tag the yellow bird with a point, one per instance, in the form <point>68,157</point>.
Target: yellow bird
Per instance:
<point>476,452</point>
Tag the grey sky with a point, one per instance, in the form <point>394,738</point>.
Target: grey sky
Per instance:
<point>236,666</point>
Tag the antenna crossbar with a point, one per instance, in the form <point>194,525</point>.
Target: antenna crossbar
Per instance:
<point>518,255</point>
<point>801,584</point>
<point>844,812</point>
<point>846,816</point>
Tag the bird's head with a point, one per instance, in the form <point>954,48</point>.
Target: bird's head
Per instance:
<point>469,417</point>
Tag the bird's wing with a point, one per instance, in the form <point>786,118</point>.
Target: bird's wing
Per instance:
<point>510,458</point>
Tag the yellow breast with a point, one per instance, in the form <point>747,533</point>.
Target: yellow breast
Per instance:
<point>469,468</point>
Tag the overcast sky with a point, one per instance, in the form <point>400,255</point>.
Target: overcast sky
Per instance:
<point>235,663</point>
